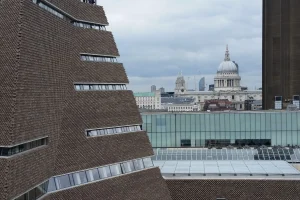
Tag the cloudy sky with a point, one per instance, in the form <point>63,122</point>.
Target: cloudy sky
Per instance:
<point>158,38</point>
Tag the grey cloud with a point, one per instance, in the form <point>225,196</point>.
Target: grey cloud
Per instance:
<point>156,38</point>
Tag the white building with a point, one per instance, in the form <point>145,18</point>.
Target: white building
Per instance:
<point>148,100</point>
<point>227,86</point>
<point>182,108</point>
<point>227,78</point>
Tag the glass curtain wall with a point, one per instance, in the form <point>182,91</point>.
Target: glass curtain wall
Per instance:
<point>223,129</point>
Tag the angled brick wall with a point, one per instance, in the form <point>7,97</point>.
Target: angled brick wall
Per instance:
<point>239,189</point>
<point>40,62</point>
<point>144,185</point>
<point>82,11</point>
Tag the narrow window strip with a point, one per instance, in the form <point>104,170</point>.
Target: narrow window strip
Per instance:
<point>97,87</point>
<point>62,15</point>
<point>10,151</point>
<point>113,130</point>
<point>94,58</point>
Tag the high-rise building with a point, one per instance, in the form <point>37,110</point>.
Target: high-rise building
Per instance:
<point>281,49</point>
<point>69,127</point>
<point>211,87</point>
<point>162,90</point>
<point>202,84</point>
<point>153,88</point>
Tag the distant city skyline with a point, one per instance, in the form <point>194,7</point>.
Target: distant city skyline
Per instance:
<point>154,48</point>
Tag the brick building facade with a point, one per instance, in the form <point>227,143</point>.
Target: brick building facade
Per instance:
<point>70,129</point>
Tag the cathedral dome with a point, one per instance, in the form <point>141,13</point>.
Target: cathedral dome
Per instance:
<point>227,65</point>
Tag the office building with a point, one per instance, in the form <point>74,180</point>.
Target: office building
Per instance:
<point>68,122</point>
<point>148,100</point>
<point>222,129</point>
<point>162,90</point>
<point>281,49</point>
<point>153,88</point>
<point>202,84</point>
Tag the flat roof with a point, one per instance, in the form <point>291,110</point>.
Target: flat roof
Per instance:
<point>227,168</point>
<point>144,94</point>
<point>285,154</point>
<point>220,112</point>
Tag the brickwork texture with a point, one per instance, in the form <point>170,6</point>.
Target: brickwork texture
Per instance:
<point>239,189</point>
<point>39,64</point>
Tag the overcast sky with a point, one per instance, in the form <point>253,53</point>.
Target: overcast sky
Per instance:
<point>158,38</point>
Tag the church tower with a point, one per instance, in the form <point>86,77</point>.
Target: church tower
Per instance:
<point>180,84</point>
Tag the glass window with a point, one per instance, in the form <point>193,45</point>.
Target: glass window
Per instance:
<point>76,178</point>
<point>147,162</point>
<point>109,131</point>
<point>86,87</point>
<point>104,172</point>
<point>77,87</point>
<point>62,182</point>
<point>31,194</point>
<point>23,197</point>
<point>138,164</point>
<point>43,187</point>
<point>83,177</point>
<point>105,131</point>
<point>95,87</point>
<point>115,169</point>
<point>114,131</point>
<point>119,130</point>
<point>93,133</point>
<point>80,178</point>
<point>102,132</point>
<point>51,185</point>
<point>93,175</point>
<point>127,166</point>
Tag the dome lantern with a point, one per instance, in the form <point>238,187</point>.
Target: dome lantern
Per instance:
<point>227,66</point>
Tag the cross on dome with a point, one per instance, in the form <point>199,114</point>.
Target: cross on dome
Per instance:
<point>227,57</point>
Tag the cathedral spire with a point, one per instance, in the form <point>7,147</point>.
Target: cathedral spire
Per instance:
<point>227,57</point>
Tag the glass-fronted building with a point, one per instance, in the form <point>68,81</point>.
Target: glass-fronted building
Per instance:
<point>222,129</point>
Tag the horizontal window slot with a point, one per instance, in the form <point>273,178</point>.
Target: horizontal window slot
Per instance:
<point>93,58</point>
<point>99,173</point>
<point>94,2</point>
<point>86,176</point>
<point>10,151</point>
<point>46,6</point>
<point>90,26</point>
<point>113,130</point>
<point>35,193</point>
<point>95,87</point>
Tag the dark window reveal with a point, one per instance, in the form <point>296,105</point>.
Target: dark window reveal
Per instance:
<point>9,151</point>
<point>253,142</point>
<point>186,143</point>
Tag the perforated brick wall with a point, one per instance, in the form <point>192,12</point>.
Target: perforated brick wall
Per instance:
<point>40,62</point>
<point>240,189</point>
